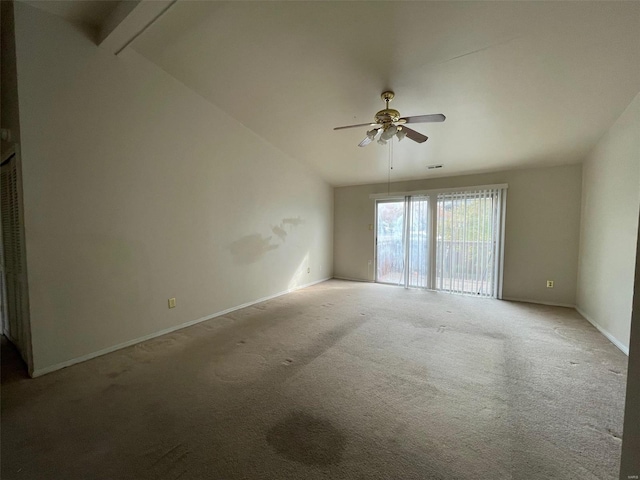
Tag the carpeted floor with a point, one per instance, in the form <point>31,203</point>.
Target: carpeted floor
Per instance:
<point>341,380</point>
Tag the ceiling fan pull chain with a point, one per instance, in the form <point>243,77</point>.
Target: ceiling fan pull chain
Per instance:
<point>389,173</point>
<point>391,152</point>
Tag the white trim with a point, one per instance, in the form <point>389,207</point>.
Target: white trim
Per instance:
<point>104,351</point>
<point>406,239</point>
<point>503,223</point>
<point>604,332</point>
<point>538,302</point>
<point>349,279</point>
<point>378,196</point>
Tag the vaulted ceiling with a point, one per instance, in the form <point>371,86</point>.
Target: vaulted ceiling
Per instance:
<point>89,12</point>
<point>521,83</point>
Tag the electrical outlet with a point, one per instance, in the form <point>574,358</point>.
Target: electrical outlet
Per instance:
<point>549,283</point>
<point>371,226</point>
<point>172,303</point>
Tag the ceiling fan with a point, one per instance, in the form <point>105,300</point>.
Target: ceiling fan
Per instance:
<point>388,123</point>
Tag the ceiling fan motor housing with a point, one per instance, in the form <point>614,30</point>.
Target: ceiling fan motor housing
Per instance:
<point>388,115</point>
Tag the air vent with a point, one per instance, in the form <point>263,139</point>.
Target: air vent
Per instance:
<point>432,167</point>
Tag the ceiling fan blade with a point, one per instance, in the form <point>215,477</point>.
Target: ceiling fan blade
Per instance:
<point>365,142</point>
<point>415,136</point>
<point>360,125</point>
<point>436,117</point>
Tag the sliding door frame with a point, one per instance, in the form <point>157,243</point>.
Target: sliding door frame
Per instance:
<point>432,199</point>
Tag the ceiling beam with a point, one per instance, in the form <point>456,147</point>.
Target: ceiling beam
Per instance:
<point>129,19</point>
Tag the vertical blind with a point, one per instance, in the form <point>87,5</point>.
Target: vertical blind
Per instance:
<point>14,282</point>
<point>443,240</point>
<point>469,247</point>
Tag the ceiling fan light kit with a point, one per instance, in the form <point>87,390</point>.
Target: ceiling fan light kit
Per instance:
<point>388,123</point>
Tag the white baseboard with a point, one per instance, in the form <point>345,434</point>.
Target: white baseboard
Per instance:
<point>539,302</point>
<point>604,332</point>
<point>353,279</point>
<point>42,371</point>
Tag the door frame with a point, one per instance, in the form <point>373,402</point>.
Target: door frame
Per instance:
<point>432,199</point>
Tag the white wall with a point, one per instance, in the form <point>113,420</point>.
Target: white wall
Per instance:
<point>630,461</point>
<point>137,190</point>
<point>609,227</point>
<point>541,232</point>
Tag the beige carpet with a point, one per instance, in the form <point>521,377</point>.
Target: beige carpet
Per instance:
<point>341,380</point>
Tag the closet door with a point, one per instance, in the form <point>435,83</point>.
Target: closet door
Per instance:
<point>15,299</point>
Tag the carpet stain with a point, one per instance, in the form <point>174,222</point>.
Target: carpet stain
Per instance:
<point>160,343</point>
<point>114,389</point>
<point>118,373</point>
<point>240,367</point>
<point>558,331</point>
<point>166,462</point>
<point>614,434</point>
<point>306,439</point>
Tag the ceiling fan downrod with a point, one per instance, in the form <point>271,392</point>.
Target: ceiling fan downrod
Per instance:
<point>388,115</point>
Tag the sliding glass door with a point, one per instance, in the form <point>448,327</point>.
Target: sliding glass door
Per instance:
<point>449,241</point>
<point>418,242</point>
<point>390,243</point>
<point>402,241</point>
<point>467,242</point>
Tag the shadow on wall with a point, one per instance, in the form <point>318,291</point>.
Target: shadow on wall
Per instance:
<point>251,248</point>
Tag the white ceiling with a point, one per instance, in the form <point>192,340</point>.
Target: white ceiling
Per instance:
<point>521,83</point>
